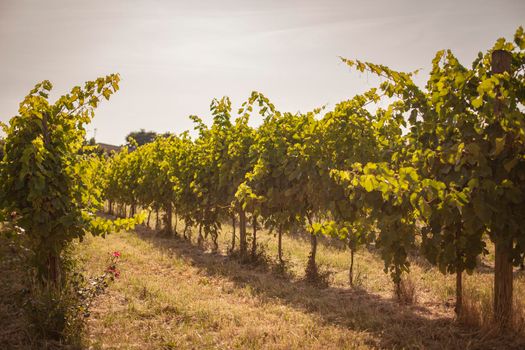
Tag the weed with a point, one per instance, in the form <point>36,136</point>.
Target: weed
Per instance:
<point>407,290</point>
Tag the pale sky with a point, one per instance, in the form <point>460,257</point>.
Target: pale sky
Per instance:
<point>174,57</point>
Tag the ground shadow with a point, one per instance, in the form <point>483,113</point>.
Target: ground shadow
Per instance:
<point>393,325</point>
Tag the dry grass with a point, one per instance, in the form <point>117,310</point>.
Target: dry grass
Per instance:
<point>407,290</point>
<point>13,321</point>
<point>478,310</point>
<point>34,315</point>
<point>173,295</point>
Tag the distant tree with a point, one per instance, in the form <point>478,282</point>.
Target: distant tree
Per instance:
<point>167,134</point>
<point>141,137</point>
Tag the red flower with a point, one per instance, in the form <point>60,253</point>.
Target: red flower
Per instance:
<point>116,254</point>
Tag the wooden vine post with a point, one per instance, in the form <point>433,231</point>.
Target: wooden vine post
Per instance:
<point>503,278</point>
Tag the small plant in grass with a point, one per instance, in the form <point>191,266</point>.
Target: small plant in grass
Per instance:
<point>52,314</point>
<point>478,310</point>
<point>283,267</point>
<point>97,285</point>
<point>406,293</point>
<point>323,277</point>
<point>358,277</point>
<point>261,259</point>
<point>57,314</point>
<point>518,317</point>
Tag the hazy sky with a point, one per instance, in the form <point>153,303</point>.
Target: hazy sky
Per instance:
<point>175,56</point>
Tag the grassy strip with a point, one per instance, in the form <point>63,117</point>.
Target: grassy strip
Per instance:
<point>172,294</point>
